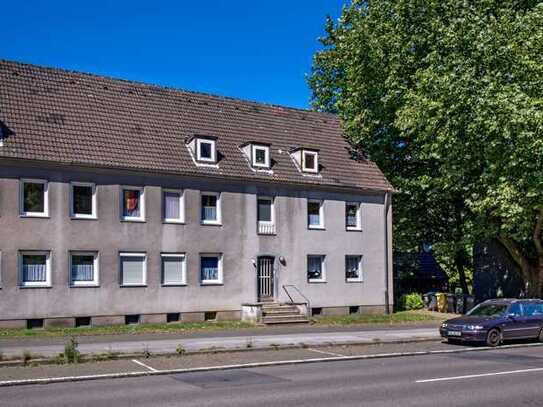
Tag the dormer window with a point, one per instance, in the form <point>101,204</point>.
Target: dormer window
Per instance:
<point>260,156</point>
<point>310,161</point>
<point>206,150</point>
<point>306,159</point>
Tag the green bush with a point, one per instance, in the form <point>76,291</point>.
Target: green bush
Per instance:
<point>411,301</point>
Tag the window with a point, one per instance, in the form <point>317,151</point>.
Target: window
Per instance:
<point>205,150</point>
<point>315,214</point>
<point>211,208</point>
<point>315,269</point>
<point>515,309</point>
<point>173,269</point>
<point>211,269</point>
<point>310,161</point>
<point>83,200</point>
<point>353,268</point>
<point>261,156</point>
<point>352,216</point>
<point>84,269</point>
<point>174,208</point>
<point>35,269</point>
<point>133,204</point>
<point>133,269</point>
<point>34,198</point>
<point>265,215</point>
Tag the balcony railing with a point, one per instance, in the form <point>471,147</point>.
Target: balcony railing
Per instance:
<point>265,228</point>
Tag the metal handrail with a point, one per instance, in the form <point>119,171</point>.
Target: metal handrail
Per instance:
<point>308,304</point>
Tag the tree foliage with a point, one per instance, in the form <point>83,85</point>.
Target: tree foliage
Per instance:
<point>447,97</point>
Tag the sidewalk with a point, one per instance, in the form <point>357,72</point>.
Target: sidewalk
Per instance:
<point>255,339</point>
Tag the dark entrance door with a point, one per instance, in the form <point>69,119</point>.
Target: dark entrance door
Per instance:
<point>265,278</point>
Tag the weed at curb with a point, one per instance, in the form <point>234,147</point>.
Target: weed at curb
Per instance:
<point>249,343</point>
<point>26,357</point>
<point>180,350</point>
<point>146,352</point>
<point>71,353</point>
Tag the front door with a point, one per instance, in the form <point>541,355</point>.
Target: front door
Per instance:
<point>265,278</point>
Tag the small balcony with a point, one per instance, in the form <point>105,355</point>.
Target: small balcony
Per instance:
<point>266,228</point>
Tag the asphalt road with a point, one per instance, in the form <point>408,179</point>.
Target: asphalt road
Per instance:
<point>507,377</point>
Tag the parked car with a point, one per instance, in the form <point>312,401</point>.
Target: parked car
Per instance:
<point>495,321</point>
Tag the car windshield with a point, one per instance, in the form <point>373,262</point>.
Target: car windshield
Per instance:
<point>488,310</point>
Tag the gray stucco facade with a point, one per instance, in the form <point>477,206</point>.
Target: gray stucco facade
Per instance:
<point>236,239</point>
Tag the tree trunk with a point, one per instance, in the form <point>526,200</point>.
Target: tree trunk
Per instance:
<point>460,262</point>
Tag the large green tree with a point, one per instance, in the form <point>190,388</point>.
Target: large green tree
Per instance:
<point>447,97</point>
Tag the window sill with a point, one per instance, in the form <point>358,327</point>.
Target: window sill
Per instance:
<point>133,220</point>
<point>36,286</point>
<point>89,285</point>
<point>316,228</point>
<point>174,284</point>
<point>132,285</point>
<point>75,217</point>
<point>34,215</point>
<point>210,223</point>
<point>173,222</point>
<point>210,283</point>
<point>316,281</point>
<point>353,281</point>
<point>348,229</point>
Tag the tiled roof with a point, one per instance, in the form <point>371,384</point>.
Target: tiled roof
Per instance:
<point>75,118</point>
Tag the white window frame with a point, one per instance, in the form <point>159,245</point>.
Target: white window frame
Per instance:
<point>140,218</point>
<point>320,226</point>
<point>315,154</point>
<point>219,281</point>
<point>266,150</point>
<point>358,226</point>
<point>183,271</point>
<point>360,277</point>
<point>45,213</point>
<point>199,157</point>
<point>95,281</point>
<point>47,282</point>
<point>181,218</point>
<point>144,276</point>
<point>270,224</point>
<point>74,215</point>
<point>218,221</point>
<point>323,267</point>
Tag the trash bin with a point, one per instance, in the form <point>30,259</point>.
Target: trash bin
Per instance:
<point>469,303</point>
<point>441,302</point>
<point>432,305</point>
<point>460,303</point>
<point>451,303</point>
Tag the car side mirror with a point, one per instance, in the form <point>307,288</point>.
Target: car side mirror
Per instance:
<point>511,316</point>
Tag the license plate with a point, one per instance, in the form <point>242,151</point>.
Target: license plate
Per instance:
<point>454,333</point>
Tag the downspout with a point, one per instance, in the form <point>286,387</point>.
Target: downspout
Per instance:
<point>387,282</point>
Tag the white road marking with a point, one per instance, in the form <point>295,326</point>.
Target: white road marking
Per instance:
<point>326,353</point>
<point>474,376</point>
<point>152,369</point>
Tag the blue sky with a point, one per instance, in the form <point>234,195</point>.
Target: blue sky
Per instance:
<point>258,50</point>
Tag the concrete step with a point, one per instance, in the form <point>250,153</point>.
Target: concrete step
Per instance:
<point>279,311</point>
<point>298,320</point>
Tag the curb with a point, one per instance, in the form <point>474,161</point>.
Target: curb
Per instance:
<point>94,357</point>
<point>26,382</point>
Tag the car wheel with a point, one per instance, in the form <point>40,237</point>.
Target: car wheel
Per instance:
<point>540,337</point>
<point>493,338</point>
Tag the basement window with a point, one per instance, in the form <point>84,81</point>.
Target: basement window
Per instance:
<point>34,323</point>
<point>173,317</point>
<point>82,322</point>
<point>132,319</point>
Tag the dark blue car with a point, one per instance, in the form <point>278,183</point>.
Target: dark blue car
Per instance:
<point>495,321</point>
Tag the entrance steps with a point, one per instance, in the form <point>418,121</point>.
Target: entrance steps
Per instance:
<point>275,313</point>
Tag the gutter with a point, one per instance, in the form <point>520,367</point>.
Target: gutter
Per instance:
<point>386,238</point>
